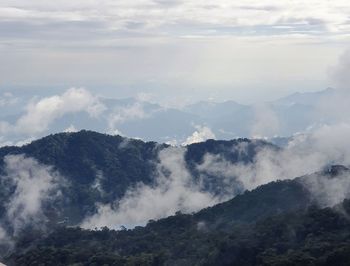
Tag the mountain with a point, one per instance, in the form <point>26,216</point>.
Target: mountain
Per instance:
<point>276,224</point>
<point>81,171</point>
<point>80,157</point>
<point>150,121</point>
<point>306,98</point>
<point>214,110</point>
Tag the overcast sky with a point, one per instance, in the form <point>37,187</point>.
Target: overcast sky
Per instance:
<point>173,50</point>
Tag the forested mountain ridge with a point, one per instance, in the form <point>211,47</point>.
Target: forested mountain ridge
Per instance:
<point>97,169</point>
<point>237,232</point>
<point>79,155</point>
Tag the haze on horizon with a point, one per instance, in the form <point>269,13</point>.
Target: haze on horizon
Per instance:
<point>173,51</point>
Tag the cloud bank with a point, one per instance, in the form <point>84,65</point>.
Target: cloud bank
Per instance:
<point>33,184</point>
<point>202,133</point>
<point>40,114</point>
<point>184,17</point>
<point>173,190</point>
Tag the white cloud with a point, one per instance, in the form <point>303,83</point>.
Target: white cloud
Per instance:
<point>5,142</point>
<point>174,190</point>
<point>327,190</point>
<point>132,111</point>
<point>8,99</point>
<point>98,182</point>
<point>70,129</point>
<point>5,239</point>
<point>34,183</point>
<point>122,114</point>
<point>40,114</point>
<point>202,133</point>
<point>305,155</point>
<point>266,122</point>
<point>340,72</point>
<point>202,18</point>
<point>211,45</point>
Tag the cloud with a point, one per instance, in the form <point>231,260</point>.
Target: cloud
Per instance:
<point>8,99</point>
<point>33,184</point>
<point>305,154</point>
<point>136,110</point>
<point>327,190</point>
<point>225,175</point>
<point>122,45</point>
<point>70,129</point>
<point>40,114</point>
<point>202,133</point>
<point>266,122</point>
<point>216,17</point>
<point>97,184</point>
<point>6,142</point>
<point>125,113</point>
<point>173,190</point>
<point>6,242</point>
<point>340,72</point>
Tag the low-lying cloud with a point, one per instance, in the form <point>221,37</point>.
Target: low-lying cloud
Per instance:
<point>202,133</point>
<point>266,122</point>
<point>173,190</point>
<point>32,184</point>
<point>340,72</point>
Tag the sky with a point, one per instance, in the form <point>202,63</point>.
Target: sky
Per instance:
<point>172,50</point>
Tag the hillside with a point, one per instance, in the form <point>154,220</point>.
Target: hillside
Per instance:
<point>75,173</point>
<point>275,224</point>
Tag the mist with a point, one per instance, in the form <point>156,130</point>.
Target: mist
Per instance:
<point>173,190</point>
<point>29,185</point>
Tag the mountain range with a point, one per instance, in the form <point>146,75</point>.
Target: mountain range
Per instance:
<point>89,168</point>
<point>165,205</point>
<point>137,118</point>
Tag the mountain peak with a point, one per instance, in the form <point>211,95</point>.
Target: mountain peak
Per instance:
<point>305,98</point>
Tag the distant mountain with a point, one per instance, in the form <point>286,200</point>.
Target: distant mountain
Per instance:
<point>306,98</point>
<point>212,110</point>
<point>135,119</point>
<point>152,122</point>
<point>286,116</point>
